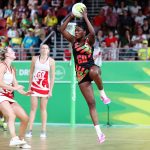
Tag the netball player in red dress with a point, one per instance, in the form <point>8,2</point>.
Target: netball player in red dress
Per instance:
<point>8,106</point>
<point>86,70</point>
<point>42,75</point>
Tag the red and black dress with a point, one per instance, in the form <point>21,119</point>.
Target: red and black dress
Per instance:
<point>83,57</point>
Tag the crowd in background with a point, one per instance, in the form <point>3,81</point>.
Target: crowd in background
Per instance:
<point>124,25</point>
<point>24,24</point>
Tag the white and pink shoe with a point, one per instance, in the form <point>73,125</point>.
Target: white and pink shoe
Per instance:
<point>105,100</point>
<point>101,138</point>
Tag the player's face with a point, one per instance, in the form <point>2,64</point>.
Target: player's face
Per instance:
<point>10,53</point>
<point>44,49</point>
<point>79,32</point>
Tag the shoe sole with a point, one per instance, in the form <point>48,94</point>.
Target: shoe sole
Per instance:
<point>107,103</point>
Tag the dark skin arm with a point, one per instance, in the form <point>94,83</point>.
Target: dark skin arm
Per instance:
<point>63,27</point>
<point>69,37</point>
<point>91,35</point>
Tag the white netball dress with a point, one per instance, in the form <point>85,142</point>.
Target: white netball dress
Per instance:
<point>7,95</point>
<point>40,81</point>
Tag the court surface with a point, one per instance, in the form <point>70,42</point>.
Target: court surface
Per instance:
<point>84,138</point>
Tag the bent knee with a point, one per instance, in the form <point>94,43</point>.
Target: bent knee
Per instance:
<point>25,118</point>
<point>94,71</point>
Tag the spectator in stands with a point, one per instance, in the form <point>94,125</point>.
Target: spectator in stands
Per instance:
<point>29,43</point>
<point>33,10</point>
<point>55,3</point>
<point>99,38</point>
<point>39,32</point>
<point>111,39</point>
<point>61,13</point>
<point>99,20</point>
<point>105,51</point>
<point>16,41</point>
<point>125,39</point>
<point>136,41</point>
<point>8,11</point>
<point>3,41</point>
<point>50,21</point>
<point>146,27</point>
<point>12,32</point>
<point>138,38</point>
<point>144,52</point>
<point>10,20</point>
<point>125,21</point>
<point>44,7</point>
<point>36,19</point>
<point>125,52</point>
<point>139,18</point>
<point>112,43</point>
<point>67,55</point>
<point>22,9</point>
<point>32,2</point>
<point>25,22</point>
<point>134,9</point>
<point>1,13</point>
<point>122,7</point>
<point>111,19</point>
<point>68,4</point>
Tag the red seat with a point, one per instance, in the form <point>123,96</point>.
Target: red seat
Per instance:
<point>3,32</point>
<point>2,23</point>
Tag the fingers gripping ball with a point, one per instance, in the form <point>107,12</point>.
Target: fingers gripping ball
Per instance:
<point>77,9</point>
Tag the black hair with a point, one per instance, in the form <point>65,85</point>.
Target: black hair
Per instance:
<point>82,25</point>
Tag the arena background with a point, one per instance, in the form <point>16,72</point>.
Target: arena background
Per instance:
<point>126,83</point>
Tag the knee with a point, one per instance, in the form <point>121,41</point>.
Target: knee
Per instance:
<point>25,119</point>
<point>94,72</point>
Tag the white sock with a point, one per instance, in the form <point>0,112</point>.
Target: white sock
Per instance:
<point>98,130</point>
<point>102,93</point>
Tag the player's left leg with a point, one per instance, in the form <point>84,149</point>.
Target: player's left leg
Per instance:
<point>43,108</point>
<point>95,75</point>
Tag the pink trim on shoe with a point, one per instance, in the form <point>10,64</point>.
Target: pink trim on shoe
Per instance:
<point>101,138</point>
<point>105,100</point>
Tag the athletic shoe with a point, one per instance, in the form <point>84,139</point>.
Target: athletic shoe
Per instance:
<point>25,146</point>
<point>16,141</point>
<point>101,138</point>
<point>43,134</point>
<point>105,100</point>
<point>28,134</point>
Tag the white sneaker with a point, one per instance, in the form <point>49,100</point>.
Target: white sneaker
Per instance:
<point>43,134</point>
<point>25,146</point>
<point>28,134</point>
<point>16,141</point>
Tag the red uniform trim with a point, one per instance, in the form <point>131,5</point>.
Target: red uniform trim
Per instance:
<point>39,91</point>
